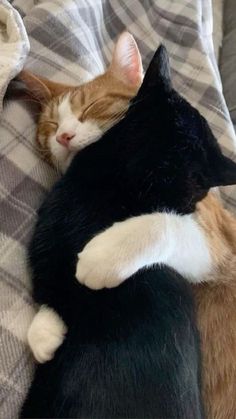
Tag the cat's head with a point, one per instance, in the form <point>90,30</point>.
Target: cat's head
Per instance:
<point>172,154</point>
<point>75,116</point>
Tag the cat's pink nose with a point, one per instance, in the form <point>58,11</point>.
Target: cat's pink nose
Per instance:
<point>65,138</point>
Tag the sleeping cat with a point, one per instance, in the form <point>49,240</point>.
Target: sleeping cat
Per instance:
<point>131,351</point>
<point>100,259</point>
<point>75,116</point>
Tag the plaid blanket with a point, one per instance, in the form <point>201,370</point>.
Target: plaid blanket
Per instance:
<point>71,41</point>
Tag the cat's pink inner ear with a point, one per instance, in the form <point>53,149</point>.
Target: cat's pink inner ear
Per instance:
<point>126,61</point>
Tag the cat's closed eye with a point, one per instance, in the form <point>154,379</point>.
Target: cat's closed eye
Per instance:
<point>53,124</point>
<point>85,111</point>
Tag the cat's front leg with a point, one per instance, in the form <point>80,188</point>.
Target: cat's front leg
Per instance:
<point>159,238</point>
<point>46,333</point>
<point>113,255</point>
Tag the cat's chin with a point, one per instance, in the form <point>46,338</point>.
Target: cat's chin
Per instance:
<point>73,147</point>
<point>66,163</point>
<point>62,162</point>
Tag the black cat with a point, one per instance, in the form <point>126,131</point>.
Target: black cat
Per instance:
<point>131,351</point>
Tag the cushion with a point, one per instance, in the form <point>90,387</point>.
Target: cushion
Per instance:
<point>228,57</point>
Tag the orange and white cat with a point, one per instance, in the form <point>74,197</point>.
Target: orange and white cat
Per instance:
<point>202,246</point>
<point>74,116</point>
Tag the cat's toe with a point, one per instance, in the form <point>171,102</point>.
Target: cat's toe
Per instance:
<point>46,333</point>
<point>88,274</point>
<point>96,271</point>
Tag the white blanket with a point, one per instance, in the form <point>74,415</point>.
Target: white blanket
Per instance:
<point>14,45</point>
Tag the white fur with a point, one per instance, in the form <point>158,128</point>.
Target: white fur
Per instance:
<point>46,333</point>
<point>115,254</point>
<point>85,133</point>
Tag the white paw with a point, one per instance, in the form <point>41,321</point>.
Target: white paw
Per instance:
<point>96,271</point>
<point>105,262</point>
<point>46,333</point>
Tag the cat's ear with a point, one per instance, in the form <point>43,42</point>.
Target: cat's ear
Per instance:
<point>126,62</point>
<point>225,173</point>
<point>40,88</point>
<point>158,72</point>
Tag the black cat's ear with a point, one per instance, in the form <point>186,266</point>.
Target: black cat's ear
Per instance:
<point>158,72</point>
<point>225,173</point>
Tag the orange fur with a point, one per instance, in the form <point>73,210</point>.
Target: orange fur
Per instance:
<point>103,100</point>
<point>216,310</point>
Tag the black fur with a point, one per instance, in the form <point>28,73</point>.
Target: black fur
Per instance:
<point>132,351</point>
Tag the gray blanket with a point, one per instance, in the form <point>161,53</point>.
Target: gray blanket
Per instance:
<point>71,41</point>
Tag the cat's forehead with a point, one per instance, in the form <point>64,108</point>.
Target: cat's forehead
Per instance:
<point>90,91</point>
<point>64,107</point>
<point>57,107</point>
